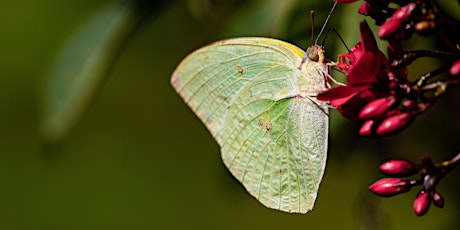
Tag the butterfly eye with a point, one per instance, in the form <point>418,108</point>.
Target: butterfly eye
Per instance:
<point>312,53</point>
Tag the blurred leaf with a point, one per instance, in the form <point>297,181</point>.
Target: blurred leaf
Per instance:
<point>82,65</point>
<point>262,17</point>
<point>449,8</point>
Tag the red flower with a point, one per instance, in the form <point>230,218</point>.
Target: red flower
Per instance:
<point>367,76</point>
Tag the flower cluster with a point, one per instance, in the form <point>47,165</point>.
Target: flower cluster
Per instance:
<point>378,90</point>
<point>380,93</point>
<point>373,90</point>
<point>430,175</point>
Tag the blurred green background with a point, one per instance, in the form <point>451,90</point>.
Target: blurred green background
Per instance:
<point>133,155</point>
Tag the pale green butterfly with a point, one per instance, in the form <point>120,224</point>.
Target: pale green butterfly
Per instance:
<point>257,98</point>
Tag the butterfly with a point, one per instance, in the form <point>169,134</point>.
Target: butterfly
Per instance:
<point>256,96</point>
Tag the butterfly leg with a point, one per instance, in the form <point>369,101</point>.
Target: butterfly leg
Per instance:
<point>328,76</point>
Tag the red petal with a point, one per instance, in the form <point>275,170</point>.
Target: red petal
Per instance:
<point>340,101</point>
<point>346,60</point>
<point>357,50</point>
<point>350,109</point>
<point>367,37</point>
<point>371,59</point>
<point>363,71</point>
<point>340,95</point>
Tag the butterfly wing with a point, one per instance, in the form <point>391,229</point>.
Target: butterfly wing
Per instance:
<point>256,102</point>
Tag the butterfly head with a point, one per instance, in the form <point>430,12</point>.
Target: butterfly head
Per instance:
<point>315,53</point>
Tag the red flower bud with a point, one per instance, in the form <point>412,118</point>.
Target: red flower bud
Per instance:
<point>394,123</point>
<point>369,9</point>
<point>377,107</point>
<point>422,203</point>
<point>390,186</point>
<point>428,163</point>
<point>363,9</point>
<point>397,21</point>
<point>409,104</point>
<point>404,12</point>
<point>438,200</point>
<point>390,28</point>
<point>455,68</point>
<point>367,128</point>
<point>425,27</point>
<point>398,168</point>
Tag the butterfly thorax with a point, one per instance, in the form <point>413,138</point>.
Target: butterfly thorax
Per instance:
<point>313,68</point>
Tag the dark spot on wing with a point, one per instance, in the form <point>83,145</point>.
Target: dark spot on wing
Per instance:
<point>240,69</point>
<point>268,126</point>
<point>223,98</point>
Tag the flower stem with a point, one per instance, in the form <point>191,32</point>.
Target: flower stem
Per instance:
<point>408,57</point>
<point>423,79</point>
<point>448,165</point>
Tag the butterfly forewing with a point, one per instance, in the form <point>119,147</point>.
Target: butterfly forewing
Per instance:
<point>257,103</point>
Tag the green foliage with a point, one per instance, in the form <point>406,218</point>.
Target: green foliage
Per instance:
<point>139,159</point>
<point>81,66</point>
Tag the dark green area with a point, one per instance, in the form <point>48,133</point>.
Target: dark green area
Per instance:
<point>139,159</point>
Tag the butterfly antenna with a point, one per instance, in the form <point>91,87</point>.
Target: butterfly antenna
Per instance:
<point>338,35</point>
<point>312,19</point>
<point>325,22</point>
